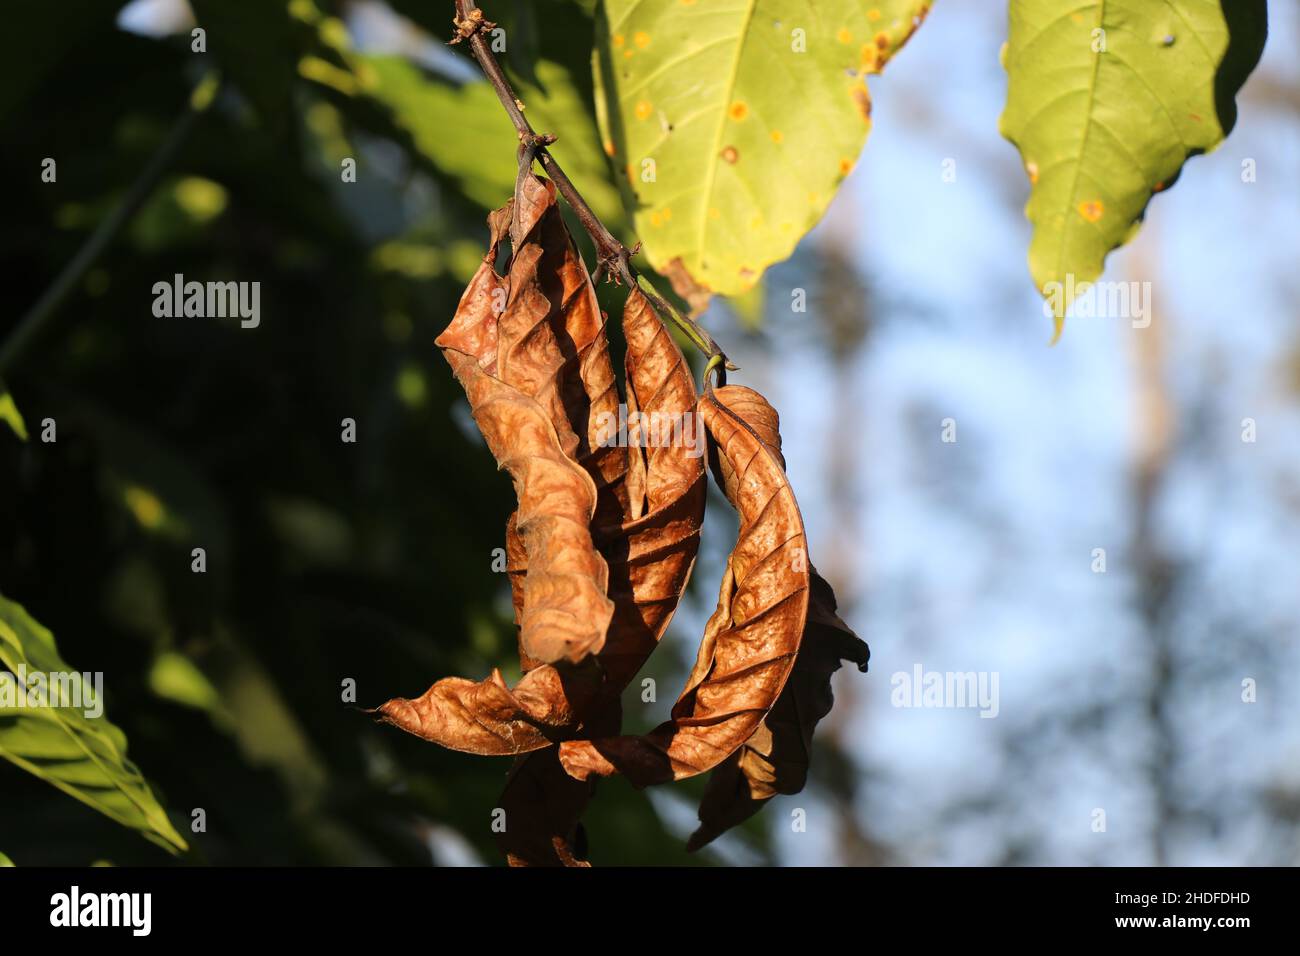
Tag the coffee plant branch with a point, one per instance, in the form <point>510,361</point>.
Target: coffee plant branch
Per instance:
<point>614,258</point>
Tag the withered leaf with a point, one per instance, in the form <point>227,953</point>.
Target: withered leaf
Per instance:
<point>650,553</point>
<point>552,343</point>
<point>749,643</point>
<point>487,717</point>
<point>651,539</point>
<point>543,805</point>
<point>564,612</point>
<point>776,758</point>
<point>553,347</point>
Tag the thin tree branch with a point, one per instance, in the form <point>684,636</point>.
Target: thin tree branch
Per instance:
<point>613,257</point>
<point>140,190</point>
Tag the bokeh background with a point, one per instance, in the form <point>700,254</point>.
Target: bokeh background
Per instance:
<point>1119,691</point>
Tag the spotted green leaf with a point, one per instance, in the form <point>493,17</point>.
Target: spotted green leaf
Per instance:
<point>1106,99</point>
<point>732,122</point>
<point>84,756</point>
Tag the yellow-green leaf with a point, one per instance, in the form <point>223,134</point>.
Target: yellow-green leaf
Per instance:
<point>732,122</point>
<point>481,154</point>
<point>9,413</point>
<point>84,756</point>
<point>1106,99</point>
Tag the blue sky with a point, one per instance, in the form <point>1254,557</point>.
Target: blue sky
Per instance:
<point>977,555</point>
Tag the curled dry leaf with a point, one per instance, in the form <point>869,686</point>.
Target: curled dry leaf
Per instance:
<point>651,537</point>
<point>522,415</point>
<point>511,367</point>
<point>555,348</point>
<point>564,600</point>
<point>651,551</point>
<point>650,547</point>
<point>486,717</point>
<point>776,758</point>
<point>751,640</point>
<point>552,334</point>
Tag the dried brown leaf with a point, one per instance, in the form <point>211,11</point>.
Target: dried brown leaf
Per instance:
<point>488,717</point>
<point>751,640</point>
<point>652,550</point>
<point>650,556</point>
<point>543,804</point>
<point>776,758</point>
<point>650,546</point>
<point>564,612</point>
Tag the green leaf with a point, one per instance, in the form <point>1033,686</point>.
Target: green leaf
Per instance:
<point>9,413</point>
<point>732,122</point>
<point>480,156</point>
<point>85,757</point>
<point>1106,100</point>
<point>460,130</point>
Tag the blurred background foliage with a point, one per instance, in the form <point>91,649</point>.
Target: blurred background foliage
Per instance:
<point>326,561</point>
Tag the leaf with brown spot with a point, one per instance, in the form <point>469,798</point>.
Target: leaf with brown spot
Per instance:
<point>749,643</point>
<point>748,126</point>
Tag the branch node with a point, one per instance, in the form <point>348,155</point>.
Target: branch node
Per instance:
<point>473,22</point>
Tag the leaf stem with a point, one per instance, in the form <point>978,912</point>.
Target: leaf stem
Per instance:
<point>613,257</point>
